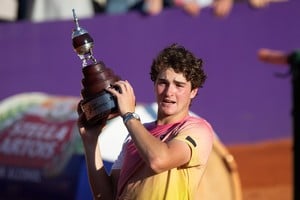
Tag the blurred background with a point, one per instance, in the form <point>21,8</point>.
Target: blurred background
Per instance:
<point>248,102</point>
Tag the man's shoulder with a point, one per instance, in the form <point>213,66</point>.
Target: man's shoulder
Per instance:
<point>196,125</point>
<point>197,121</point>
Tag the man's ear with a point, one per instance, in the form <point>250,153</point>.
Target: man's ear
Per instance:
<point>194,93</point>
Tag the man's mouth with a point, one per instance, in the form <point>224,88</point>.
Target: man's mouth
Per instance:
<point>168,101</point>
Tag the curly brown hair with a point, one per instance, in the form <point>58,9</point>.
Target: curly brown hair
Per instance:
<point>181,61</point>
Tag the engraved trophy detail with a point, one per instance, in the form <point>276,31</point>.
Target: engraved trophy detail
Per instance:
<point>97,104</point>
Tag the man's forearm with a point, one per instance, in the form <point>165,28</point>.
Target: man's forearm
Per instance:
<point>100,182</point>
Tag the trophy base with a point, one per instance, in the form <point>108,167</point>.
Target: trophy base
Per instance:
<point>99,108</point>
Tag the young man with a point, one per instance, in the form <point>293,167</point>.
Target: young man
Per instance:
<point>164,159</point>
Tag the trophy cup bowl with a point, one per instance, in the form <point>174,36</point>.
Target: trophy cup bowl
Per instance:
<point>97,104</point>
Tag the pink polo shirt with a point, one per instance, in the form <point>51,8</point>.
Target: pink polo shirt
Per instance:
<point>138,181</point>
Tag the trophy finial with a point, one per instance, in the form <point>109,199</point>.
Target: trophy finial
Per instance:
<point>75,19</point>
<point>83,43</point>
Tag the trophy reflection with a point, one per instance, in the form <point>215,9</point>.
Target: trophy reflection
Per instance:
<point>97,104</point>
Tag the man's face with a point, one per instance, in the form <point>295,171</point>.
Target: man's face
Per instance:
<point>173,93</point>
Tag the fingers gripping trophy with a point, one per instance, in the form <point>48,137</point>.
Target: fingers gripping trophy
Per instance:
<point>97,104</point>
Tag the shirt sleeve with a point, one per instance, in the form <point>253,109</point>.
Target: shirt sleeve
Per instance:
<point>200,143</point>
<point>194,146</point>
